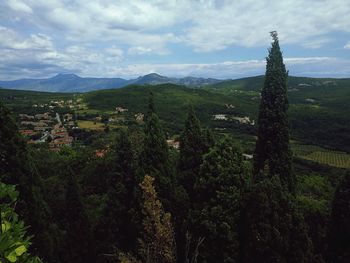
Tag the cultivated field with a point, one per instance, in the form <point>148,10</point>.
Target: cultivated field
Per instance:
<point>321,155</point>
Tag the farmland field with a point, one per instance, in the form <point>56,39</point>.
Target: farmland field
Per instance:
<point>90,125</point>
<point>321,155</point>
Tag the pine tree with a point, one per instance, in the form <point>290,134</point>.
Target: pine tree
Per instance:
<point>339,233</point>
<point>79,239</point>
<point>217,207</point>
<point>157,244</point>
<point>272,147</point>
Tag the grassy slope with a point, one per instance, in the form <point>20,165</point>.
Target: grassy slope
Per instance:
<point>324,121</point>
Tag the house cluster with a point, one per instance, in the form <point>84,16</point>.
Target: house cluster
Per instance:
<point>59,137</point>
<point>220,117</point>
<point>244,120</point>
<point>139,117</point>
<point>55,103</point>
<point>229,106</point>
<point>33,124</point>
<point>241,120</point>
<point>120,110</point>
<point>173,144</point>
<point>46,127</point>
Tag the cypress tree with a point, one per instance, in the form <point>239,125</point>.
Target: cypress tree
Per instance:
<point>13,154</point>
<point>155,150</point>
<point>154,156</point>
<point>272,146</point>
<point>194,143</point>
<point>192,148</point>
<point>79,238</point>
<point>339,226</point>
<point>273,230</point>
<point>117,226</point>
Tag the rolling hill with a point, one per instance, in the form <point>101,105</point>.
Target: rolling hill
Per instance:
<point>319,109</point>
<point>74,83</point>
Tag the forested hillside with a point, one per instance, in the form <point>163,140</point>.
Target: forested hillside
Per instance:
<point>161,174</point>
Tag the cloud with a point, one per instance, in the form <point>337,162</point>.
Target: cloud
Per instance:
<point>19,6</point>
<point>302,66</point>
<point>347,45</point>
<point>246,23</point>
<point>205,26</point>
<point>112,37</point>
<point>10,39</point>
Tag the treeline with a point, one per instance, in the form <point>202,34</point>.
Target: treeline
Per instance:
<point>141,201</point>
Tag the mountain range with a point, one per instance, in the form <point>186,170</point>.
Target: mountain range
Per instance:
<point>74,83</point>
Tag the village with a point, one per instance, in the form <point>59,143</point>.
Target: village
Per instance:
<point>48,127</point>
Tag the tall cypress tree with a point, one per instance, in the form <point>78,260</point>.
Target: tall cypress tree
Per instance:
<point>154,156</point>
<point>192,148</point>
<point>117,226</point>
<point>272,147</point>
<point>193,144</point>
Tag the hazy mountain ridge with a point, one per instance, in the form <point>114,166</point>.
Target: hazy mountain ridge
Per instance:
<point>74,83</point>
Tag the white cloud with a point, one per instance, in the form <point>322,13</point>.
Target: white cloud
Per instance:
<point>235,69</point>
<point>112,37</point>
<point>347,45</point>
<point>210,25</point>
<point>246,23</point>
<point>20,6</point>
<point>10,39</point>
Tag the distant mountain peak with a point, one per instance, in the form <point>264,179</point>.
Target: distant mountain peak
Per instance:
<point>66,75</point>
<point>68,82</point>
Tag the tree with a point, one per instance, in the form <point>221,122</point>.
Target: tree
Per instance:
<point>339,233</point>
<point>154,156</point>
<point>273,230</point>
<point>118,225</point>
<point>217,206</point>
<point>157,244</point>
<point>192,148</point>
<point>272,146</point>
<point>14,241</point>
<point>16,167</point>
<point>12,149</point>
<point>79,240</point>
<point>194,143</point>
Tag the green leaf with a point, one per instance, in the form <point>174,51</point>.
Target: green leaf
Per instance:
<point>12,257</point>
<point>20,250</point>
<point>5,226</point>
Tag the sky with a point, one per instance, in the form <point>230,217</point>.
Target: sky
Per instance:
<point>201,38</point>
